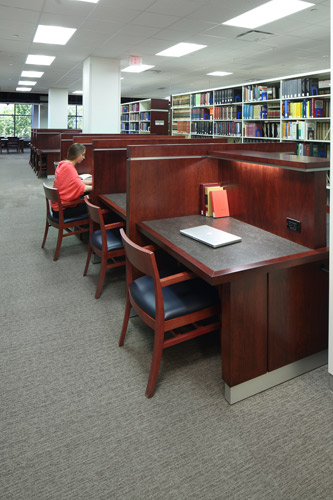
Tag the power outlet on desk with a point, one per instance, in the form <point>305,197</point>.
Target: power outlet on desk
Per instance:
<point>293,225</point>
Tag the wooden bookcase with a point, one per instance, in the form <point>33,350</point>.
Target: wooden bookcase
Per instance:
<point>149,116</point>
<point>293,108</point>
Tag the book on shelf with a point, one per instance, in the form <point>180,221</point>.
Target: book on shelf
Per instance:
<point>220,205</point>
<point>318,108</point>
<point>204,196</point>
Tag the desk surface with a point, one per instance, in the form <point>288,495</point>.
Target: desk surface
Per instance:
<point>258,248</point>
<point>116,202</point>
<point>282,160</point>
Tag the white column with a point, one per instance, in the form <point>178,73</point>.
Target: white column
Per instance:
<point>43,116</point>
<point>101,95</point>
<point>330,339</point>
<point>58,108</point>
<point>35,116</point>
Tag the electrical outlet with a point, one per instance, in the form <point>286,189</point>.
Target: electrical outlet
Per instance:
<point>293,225</point>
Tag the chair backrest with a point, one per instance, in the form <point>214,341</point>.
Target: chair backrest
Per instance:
<point>52,194</point>
<point>95,212</point>
<point>140,258</point>
<point>13,140</point>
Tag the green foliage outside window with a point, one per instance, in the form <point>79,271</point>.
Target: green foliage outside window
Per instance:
<point>75,116</point>
<point>15,120</point>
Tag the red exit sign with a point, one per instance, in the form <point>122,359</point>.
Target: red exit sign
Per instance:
<point>135,61</point>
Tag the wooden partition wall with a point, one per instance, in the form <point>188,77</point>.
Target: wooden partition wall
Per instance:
<point>109,159</point>
<point>163,181</point>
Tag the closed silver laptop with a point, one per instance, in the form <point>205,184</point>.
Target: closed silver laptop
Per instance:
<point>210,236</point>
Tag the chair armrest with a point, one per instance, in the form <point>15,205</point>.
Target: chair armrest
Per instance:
<point>152,248</point>
<point>114,225</point>
<point>177,278</point>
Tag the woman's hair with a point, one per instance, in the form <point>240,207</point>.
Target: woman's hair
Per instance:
<point>75,150</point>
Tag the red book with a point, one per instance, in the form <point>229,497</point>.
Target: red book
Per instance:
<point>203,201</point>
<point>220,203</point>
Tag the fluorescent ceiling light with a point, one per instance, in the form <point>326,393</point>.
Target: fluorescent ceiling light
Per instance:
<point>27,82</point>
<point>181,49</point>
<point>267,13</point>
<point>23,89</point>
<point>90,1</point>
<point>78,92</point>
<point>56,35</point>
<point>219,73</point>
<point>32,74</point>
<point>139,68</point>
<point>40,60</point>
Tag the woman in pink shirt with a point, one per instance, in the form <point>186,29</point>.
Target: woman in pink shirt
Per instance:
<point>69,183</point>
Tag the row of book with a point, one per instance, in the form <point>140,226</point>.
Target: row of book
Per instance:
<point>313,149</point>
<point>180,114</point>
<point>201,113</point>
<point>260,92</point>
<point>203,128</point>
<point>134,107</point>
<point>145,127</point>
<point>307,108</point>
<point>145,116</point>
<point>134,117</point>
<point>183,128</point>
<point>181,100</point>
<point>225,96</point>
<point>300,130</point>
<point>261,111</point>
<point>232,129</point>
<point>202,99</point>
<point>232,112</point>
<point>262,129</point>
<point>124,118</point>
<point>213,200</point>
<point>299,87</point>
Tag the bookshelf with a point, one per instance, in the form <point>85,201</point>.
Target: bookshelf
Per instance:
<point>149,116</point>
<point>292,108</point>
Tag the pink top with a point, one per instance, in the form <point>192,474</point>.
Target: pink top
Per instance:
<point>68,183</point>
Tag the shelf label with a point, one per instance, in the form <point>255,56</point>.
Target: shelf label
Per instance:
<point>159,122</point>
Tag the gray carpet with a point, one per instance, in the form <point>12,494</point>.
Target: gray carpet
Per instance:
<point>75,423</point>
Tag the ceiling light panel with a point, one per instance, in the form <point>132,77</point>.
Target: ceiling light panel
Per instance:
<point>32,74</point>
<point>137,68</point>
<point>267,13</point>
<point>27,82</point>
<point>219,73</point>
<point>40,60</point>
<point>56,35</point>
<point>23,89</point>
<point>181,49</point>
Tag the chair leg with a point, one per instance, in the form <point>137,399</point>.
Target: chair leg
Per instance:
<point>88,260</point>
<point>45,233</point>
<point>57,250</point>
<point>125,322</point>
<point>155,363</point>
<point>101,277</point>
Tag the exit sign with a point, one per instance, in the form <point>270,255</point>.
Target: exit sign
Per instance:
<point>135,61</point>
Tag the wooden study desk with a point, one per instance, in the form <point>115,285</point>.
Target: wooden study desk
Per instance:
<point>269,315</point>
<point>115,202</point>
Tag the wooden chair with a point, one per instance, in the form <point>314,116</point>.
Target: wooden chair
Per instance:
<point>104,242</point>
<point>66,227</point>
<point>13,143</point>
<point>166,303</point>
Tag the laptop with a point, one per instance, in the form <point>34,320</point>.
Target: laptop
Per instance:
<point>210,236</point>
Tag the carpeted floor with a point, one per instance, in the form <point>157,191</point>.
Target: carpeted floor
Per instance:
<point>75,423</point>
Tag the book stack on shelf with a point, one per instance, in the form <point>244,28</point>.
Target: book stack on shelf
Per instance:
<point>271,110</point>
<point>144,117</point>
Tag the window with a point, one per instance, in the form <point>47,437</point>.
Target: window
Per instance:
<point>75,116</point>
<point>15,120</point>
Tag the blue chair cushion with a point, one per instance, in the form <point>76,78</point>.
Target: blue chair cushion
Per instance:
<point>113,239</point>
<point>71,219</point>
<point>179,299</point>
